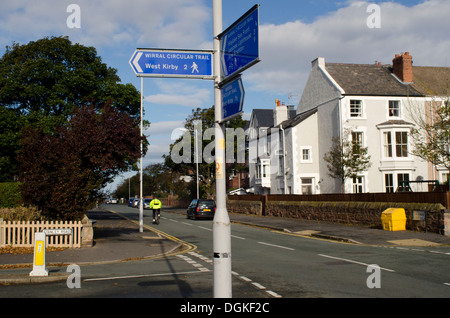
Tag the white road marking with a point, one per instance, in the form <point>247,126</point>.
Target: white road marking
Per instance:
<point>279,246</point>
<point>354,262</point>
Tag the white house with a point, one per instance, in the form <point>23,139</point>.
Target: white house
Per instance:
<point>368,103</point>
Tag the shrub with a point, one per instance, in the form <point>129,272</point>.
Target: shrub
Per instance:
<point>10,194</point>
<point>20,213</point>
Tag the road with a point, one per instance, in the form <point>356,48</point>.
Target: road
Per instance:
<point>265,264</point>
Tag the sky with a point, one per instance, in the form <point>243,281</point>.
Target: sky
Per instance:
<point>292,34</point>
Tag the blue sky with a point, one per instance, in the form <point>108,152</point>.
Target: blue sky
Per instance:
<point>292,34</point>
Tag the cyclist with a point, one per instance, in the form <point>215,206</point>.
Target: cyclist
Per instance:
<point>156,206</point>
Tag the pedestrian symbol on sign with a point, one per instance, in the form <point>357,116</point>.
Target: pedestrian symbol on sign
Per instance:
<point>194,67</point>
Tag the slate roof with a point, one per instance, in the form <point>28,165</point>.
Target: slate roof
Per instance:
<point>264,117</point>
<point>369,80</point>
<point>432,81</point>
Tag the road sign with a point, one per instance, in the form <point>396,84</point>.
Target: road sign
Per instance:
<point>172,63</point>
<point>232,99</point>
<point>240,44</point>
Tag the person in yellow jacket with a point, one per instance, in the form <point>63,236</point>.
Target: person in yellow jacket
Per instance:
<point>155,204</point>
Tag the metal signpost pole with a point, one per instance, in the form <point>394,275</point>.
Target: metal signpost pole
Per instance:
<point>141,172</point>
<point>221,223</point>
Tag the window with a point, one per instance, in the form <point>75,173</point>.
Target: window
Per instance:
<point>389,183</point>
<point>307,185</point>
<point>265,171</point>
<point>397,150</point>
<point>305,155</point>
<point>394,108</point>
<point>402,179</point>
<point>358,186</point>
<point>355,108</point>
<point>401,144</point>
<point>387,144</point>
<point>357,137</point>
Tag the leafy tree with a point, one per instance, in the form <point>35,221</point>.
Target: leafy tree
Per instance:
<point>346,159</point>
<point>207,167</point>
<point>44,81</point>
<point>63,172</point>
<point>431,135</point>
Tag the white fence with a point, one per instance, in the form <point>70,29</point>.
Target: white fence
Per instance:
<point>21,233</point>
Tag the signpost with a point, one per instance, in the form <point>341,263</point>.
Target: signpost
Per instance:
<point>235,50</point>
<point>240,44</point>
<point>232,99</point>
<point>172,63</point>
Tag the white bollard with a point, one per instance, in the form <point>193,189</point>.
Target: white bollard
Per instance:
<point>39,255</point>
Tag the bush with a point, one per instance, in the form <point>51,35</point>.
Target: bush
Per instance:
<point>10,194</point>
<point>20,213</point>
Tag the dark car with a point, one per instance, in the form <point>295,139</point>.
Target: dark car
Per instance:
<point>201,209</point>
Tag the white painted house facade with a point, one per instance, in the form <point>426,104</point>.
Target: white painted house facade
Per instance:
<point>370,104</point>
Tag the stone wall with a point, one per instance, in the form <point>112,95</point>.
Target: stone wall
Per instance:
<point>357,213</point>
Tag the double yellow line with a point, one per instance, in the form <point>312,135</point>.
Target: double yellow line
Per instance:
<point>188,246</point>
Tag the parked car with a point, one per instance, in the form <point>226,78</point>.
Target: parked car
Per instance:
<point>147,203</point>
<point>131,202</point>
<point>113,201</point>
<point>200,208</point>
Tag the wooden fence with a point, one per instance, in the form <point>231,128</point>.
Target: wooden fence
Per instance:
<point>21,233</point>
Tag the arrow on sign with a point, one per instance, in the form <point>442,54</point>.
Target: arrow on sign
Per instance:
<point>136,62</point>
<point>233,95</point>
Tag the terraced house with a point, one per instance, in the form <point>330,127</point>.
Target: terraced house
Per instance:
<point>375,105</point>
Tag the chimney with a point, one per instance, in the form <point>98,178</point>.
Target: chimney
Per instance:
<point>402,65</point>
<point>280,113</point>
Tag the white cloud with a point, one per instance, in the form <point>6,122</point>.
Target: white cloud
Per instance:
<point>181,94</point>
<point>160,23</point>
<point>343,36</point>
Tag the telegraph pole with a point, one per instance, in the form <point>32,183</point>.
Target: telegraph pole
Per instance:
<point>221,223</point>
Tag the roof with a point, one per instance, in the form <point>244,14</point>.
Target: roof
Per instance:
<point>432,81</point>
<point>264,117</point>
<point>365,79</point>
<point>299,118</point>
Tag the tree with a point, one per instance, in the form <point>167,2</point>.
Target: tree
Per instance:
<point>207,167</point>
<point>63,172</point>
<point>44,81</point>
<point>431,135</point>
<point>346,159</point>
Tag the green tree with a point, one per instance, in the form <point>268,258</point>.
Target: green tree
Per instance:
<point>205,119</point>
<point>346,159</point>
<point>44,81</point>
<point>431,135</point>
<point>63,173</point>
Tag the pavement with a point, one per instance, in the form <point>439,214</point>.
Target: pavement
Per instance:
<point>117,239</point>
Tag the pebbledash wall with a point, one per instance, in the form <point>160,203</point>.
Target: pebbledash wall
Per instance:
<point>346,212</point>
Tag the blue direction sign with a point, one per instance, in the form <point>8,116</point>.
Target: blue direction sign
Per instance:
<point>240,44</point>
<point>232,99</point>
<point>172,63</point>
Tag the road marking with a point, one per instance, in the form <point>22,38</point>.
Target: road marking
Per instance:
<point>258,286</point>
<point>138,276</point>
<point>448,284</point>
<point>273,294</point>
<point>245,278</point>
<point>205,228</point>
<point>238,237</point>
<point>354,262</point>
<point>187,223</point>
<point>189,260</point>
<point>279,246</point>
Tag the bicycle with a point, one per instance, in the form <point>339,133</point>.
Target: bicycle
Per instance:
<point>157,215</point>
